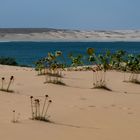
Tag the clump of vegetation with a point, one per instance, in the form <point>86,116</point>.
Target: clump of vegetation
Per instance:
<point>55,68</point>
<point>101,63</point>
<point>133,66</point>
<point>6,89</point>
<point>55,80</point>
<point>51,66</point>
<point>36,112</point>
<point>76,60</point>
<point>8,61</point>
<point>117,60</point>
<point>128,63</point>
<point>39,66</point>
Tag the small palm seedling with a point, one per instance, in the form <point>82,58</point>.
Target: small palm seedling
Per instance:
<point>2,80</point>
<point>11,79</point>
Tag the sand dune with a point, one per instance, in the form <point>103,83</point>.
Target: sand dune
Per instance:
<point>77,112</point>
<point>67,35</point>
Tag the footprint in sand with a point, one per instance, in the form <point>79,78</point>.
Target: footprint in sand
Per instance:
<point>81,108</point>
<point>83,98</point>
<point>19,84</point>
<point>129,108</point>
<point>130,113</point>
<point>106,107</point>
<point>125,92</point>
<point>113,105</point>
<point>78,107</point>
<point>91,106</point>
<point>126,109</point>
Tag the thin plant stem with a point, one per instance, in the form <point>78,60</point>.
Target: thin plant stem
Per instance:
<point>31,97</point>
<point>50,101</point>
<point>12,77</point>
<point>38,107</point>
<point>46,96</point>
<point>35,108</point>
<point>2,82</point>
<point>93,76</point>
<point>14,116</point>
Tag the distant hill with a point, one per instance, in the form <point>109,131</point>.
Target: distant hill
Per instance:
<point>50,34</point>
<point>27,30</point>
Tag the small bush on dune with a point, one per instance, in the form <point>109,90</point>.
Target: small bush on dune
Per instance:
<point>101,63</point>
<point>75,60</point>
<point>51,66</point>
<point>8,61</point>
<point>132,65</point>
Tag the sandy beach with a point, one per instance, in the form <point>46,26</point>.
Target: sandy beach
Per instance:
<point>77,112</point>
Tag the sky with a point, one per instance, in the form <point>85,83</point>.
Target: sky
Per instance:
<point>70,14</point>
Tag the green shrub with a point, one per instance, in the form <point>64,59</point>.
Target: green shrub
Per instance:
<point>8,61</point>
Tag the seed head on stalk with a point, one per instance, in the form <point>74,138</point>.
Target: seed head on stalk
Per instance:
<point>31,97</point>
<point>11,79</point>
<point>2,82</point>
<point>49,102</point>
<point>46,97</point>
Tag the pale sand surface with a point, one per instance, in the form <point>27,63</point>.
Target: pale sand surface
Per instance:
<point>69,35</point>
<point>78,112</point>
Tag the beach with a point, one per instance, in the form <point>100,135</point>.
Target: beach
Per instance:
<point>77,111</point>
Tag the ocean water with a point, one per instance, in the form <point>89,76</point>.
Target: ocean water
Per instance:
<point>26,53</point>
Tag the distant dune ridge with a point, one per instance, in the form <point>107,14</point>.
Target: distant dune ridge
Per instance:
<point>49,34</point>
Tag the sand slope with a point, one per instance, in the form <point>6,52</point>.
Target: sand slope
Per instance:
<point>78,112</point>
<point>44,34</point>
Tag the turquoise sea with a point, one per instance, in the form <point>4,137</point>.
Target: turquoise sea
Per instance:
<point>26,53</point>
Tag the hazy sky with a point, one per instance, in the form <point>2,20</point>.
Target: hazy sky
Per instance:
<point>71,14</point>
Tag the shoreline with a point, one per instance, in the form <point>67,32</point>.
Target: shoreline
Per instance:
<point>71,41</point>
